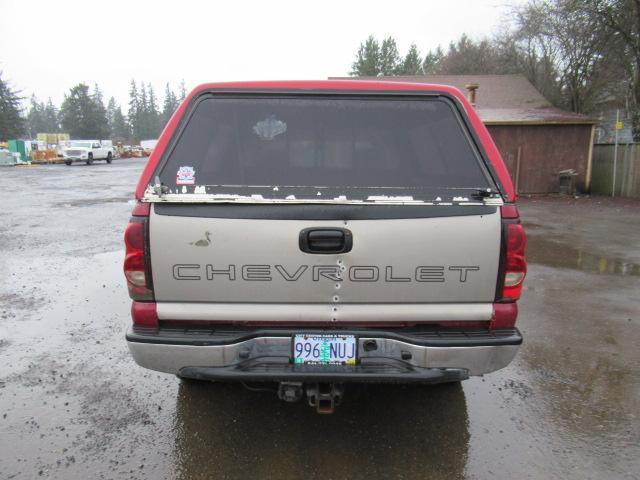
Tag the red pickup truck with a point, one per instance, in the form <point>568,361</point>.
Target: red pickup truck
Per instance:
<point>313,234</point>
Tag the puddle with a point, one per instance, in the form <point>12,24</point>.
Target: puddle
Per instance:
<point>531,226</point>
<point>551,253</point>
<point>93,201</point>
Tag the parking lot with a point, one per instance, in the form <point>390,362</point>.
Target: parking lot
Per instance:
<point>74,405</point>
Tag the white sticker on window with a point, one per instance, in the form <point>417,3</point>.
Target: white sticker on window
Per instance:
<point>186,176</point>
<point>269,128</point>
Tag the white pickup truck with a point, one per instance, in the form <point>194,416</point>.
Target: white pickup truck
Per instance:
<point>87,151</point>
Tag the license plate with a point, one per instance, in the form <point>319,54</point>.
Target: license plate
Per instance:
<point>312,349</point>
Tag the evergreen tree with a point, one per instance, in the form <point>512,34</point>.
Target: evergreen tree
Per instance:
<point>182,93</point>
<point>50,114</point>
<point>80,114</point>
<point>143,120</point>
<point>152,114</point>
<point>367,62</point>
<point>99,114</point>
<point>11,121</point>
<point>144,105</point>
<point>432,60</point>
<point>412,63</point>
<point>111,111</point>
<point>373,59</point>
<point>389,60</point>
<point>133,114</point>
<point>169,106</point>
<point>119,128</point>
<point>35,118</point>
<point>42,118</point>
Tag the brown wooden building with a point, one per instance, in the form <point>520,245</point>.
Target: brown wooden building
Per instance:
<point>536,140</point>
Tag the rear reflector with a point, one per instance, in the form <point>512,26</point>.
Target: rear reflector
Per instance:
<point>504,315</point>
<point>141,209</point>
<point>509,211</point>
<point>516,239</point>
<point>144,314</point>
<point>134,236</point>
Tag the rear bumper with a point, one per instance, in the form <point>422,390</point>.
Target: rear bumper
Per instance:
<point>264,354</point>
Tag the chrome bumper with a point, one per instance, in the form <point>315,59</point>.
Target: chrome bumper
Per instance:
<point>265,351</point>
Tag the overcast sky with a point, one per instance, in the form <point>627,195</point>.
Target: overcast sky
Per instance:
<point>47,47</point>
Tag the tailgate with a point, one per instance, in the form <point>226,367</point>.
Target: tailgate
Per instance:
<point>408,269</point>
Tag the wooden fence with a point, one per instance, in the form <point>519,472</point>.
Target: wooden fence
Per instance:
<point>627,175</point>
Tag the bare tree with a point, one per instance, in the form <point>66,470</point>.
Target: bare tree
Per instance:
<point>564,46</point>
<point>470,57</point>
<point>622,20</point>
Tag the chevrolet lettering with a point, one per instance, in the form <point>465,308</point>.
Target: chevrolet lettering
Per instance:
<point>356,273</point>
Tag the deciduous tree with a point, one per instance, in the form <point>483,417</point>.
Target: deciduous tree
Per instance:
<point>621,18</point>
<point>565,34</point>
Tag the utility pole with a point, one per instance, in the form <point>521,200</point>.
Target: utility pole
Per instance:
<point>615,154</point>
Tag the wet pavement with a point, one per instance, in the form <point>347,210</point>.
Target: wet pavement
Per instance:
<point>74,405</point>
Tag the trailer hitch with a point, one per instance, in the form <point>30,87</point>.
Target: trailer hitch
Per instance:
<point>290,391</point>
<point>325,397</point>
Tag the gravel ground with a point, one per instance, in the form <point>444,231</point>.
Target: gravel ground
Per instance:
<point>74,405</point>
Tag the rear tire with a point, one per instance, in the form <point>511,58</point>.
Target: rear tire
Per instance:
<point>90,160</point>
<point>109,157</point>
<point>68,162</point>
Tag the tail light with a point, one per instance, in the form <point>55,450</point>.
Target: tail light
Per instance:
<point>513,269</point>
<point>515,265</point>
<point>513,261</point>
<point>137,268</point>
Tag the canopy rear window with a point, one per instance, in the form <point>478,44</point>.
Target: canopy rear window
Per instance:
<point>308,146</point>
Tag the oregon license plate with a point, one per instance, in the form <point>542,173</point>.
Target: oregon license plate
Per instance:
<point>324,349</point>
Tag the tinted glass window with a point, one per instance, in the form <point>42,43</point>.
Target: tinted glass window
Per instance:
<point>345,143</point>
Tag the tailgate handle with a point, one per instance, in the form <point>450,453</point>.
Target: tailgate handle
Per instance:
<point>326,240</point>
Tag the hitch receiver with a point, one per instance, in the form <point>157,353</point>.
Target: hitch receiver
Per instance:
<point>325,397</point>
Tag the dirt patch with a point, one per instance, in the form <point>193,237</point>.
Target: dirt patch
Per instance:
<point>12,302</point>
